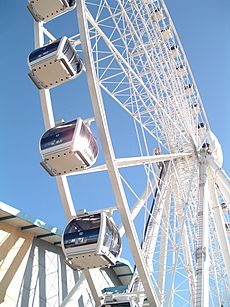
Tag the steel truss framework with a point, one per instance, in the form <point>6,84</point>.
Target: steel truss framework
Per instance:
<point>133,57</point>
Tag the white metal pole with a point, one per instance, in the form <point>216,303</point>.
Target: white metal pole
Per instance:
<point>164,248</point>
<point>220,224</point>
<point>92,285</point>
<point>202,252</point>
<point>221,178</point>
<point>134,161</point>
<point>115,179</point>
<point>75,292</point>
<point>169,300</point>
<point>49,122</point>
<point>139,204</point>
<point>185,242</point>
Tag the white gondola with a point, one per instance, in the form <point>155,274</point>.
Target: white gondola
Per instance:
<point>157,15</point>
<point>54,64</point>
<point>181,70</point>
<point>45,10</point>
<point>166,33</point>
<point>174,51</point>
<point>202,132</point>
<point>91,240</point>
<point>195,109</point>
<point>227,227</point>
<point>225,207</point>
<point>188,89</point>
<point>67,148</point>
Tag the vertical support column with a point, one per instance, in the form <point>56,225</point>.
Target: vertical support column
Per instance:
<point>62,182</point>
<point>221,178</point>
<point>49,122</point>
<point>202,253</point>
<point>164,248</point>
<point>179,206</point>
<point>220,223</point>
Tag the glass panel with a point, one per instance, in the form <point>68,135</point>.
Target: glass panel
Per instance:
<point>40,52</point>
<point>76,63</point>
<point>57,136</point>
<point>89,141</point>
<point>82,231</point>
<point>93,148</point>
<point>112,238</point>
<point>84,137</point>
<point>71,2</point>
<point>108,234</point>
<point>68,50</point>
<point>116,243</point>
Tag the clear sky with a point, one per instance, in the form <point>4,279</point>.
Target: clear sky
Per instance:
<point>204,29</point>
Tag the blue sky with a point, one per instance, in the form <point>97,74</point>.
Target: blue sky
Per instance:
<point>204,29</point>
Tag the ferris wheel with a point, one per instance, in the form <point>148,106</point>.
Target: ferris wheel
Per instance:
<point>176,216</point>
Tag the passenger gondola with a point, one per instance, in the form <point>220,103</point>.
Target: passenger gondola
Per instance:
<point>188,89</point>
<point>166,32</point>
<point>54,64</point>
<point>195,109</point>
<point>91,240</point>
<point>43,10</point>
<point>174,50</point>
<point>181,70</point>
<point>157,15</point>
<point>202,131</point>
<point>68,147</point>
<point>225,207</point>
<point>227,227</point>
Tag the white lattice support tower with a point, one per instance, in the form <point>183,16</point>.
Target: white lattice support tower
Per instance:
<point>163,248</point>
<point>180,214</point>
<point>49,122</point>
<point>202,250</point>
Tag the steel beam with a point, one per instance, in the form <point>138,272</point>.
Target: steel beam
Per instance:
<point>220,224</point>
<point>221,178</point>
<point>134,161</point>
<point>49,122</point>
<point>107,148</point>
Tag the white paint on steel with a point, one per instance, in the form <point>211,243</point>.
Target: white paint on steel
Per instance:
<point>134,161</point>
<point>109,156</point>
<point>48,117</point>
<point>139,204</point>
<point>202,244</point>
<point>164,249</point>
<point>222,179</point>
<point>220,224</point>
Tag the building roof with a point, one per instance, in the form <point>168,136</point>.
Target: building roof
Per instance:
<point>44,231</point>
<point>27,223</point>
